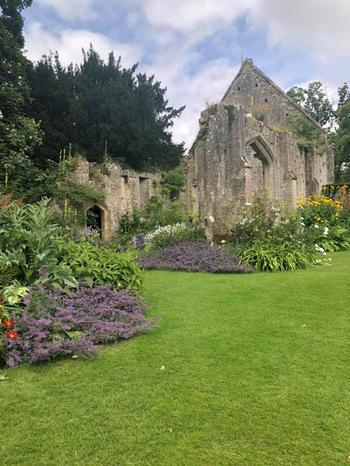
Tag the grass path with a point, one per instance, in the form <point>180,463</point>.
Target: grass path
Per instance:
<point>257,372</point>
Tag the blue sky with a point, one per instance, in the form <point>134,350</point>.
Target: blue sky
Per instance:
<point>195,47</point>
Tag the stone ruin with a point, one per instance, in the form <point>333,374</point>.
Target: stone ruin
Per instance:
<point>124,190</point>
<point>245,146</point>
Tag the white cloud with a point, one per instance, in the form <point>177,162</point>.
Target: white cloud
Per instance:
<point>69,44</point>
<point>318,25</point>
<point>171,30</point>
<point>187,16</point>
<point>71,9</point>
<point>208,85</point>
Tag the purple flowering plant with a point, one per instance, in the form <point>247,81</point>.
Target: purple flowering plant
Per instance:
<point>57,323</point>
<point>193,256</point>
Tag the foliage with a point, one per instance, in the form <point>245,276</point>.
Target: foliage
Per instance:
<point>255,220</point>
<point>28,238</point>
<point>97,265</point>
<point>173,182</point>
<point>20,135</point>
<point>333,190</point>
<point>8,274</point>
<point>100,108</point>
<point>14,293</point>
<point>306,133</point>
<point>325,224</point>
<point>192,256</point>
<point>272,238</point>
<point>157,212</point>
<point>60,324</point>
<point>172,234</point>
<point>314,101</point>
<point>130,224</point>
<point>320,209</point>
<point>341,143</point>
<point>269,256</point>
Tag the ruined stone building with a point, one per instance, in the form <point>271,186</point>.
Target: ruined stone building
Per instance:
<point>248,143</point>
<point>251,142</point>
<point>124,190</point>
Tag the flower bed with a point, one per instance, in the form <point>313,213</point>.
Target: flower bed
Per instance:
<point>192,256</point>
<point>56,323</point>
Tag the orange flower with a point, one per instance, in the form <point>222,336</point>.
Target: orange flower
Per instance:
<point>8,323</point>
<point>11,335</point>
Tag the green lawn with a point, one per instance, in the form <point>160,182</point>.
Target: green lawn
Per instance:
<point>257,372</point>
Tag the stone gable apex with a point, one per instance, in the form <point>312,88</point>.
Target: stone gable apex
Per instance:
<point>249,65</point>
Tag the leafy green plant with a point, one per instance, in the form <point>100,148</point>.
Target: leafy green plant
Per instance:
<point>28,237</point>
<point>307,134</point>
<point>273,257</point>
<point>173,182</point>
<point>14,293</point>
<point>100,265</point>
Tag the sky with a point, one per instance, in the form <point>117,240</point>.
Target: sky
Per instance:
<point>195,47</point>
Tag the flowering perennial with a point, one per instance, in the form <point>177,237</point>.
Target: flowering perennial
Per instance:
<point>193,256</point>
<point>56,323</point>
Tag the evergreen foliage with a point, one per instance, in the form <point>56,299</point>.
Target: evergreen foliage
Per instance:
<point>103,109</point>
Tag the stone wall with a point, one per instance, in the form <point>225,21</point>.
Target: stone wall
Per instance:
<point>124,190</point>
<point>244,146</point>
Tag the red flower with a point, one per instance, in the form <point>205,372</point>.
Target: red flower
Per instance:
<point>11,335</point>
<point>8,323</point>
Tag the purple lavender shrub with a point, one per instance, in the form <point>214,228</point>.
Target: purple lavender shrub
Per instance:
<point>56,323</point>
<point>140,241</point>
<point>193,256</point>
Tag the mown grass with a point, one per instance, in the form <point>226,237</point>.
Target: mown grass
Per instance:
<point>256,372</point>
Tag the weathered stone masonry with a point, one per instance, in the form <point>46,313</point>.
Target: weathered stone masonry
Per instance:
<point>237,155</point>
<point>124,190</point>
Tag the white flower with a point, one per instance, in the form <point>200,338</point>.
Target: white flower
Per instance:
<point>319,249</point>
<point>162,368</point>
<point>316,226</point>
<point>223,241</point>
<point>326,231</point>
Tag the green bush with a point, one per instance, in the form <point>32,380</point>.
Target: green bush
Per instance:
<point>8,274</point>
<point>100,265</point>
<point>28,236</point>
<point>156,213</point>
<point>273,257</point>
<point>173,182</point>
<point>266,220</point>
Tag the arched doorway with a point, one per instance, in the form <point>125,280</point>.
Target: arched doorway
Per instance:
<point>262,167</point>
<point>94,219</point>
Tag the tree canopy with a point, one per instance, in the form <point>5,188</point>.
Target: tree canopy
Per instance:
<point>20,135</point>
<point>314,101</point>
<point>102,108</point>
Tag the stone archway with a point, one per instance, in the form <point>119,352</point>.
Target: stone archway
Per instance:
<point>96,219</point>
<point>261,168</point>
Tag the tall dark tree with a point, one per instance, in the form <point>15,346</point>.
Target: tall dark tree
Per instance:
<point>314,101</point>
<point>341,137</point>
<point>100,107</point>
<point>52,98</point>
<point>19,134</point>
